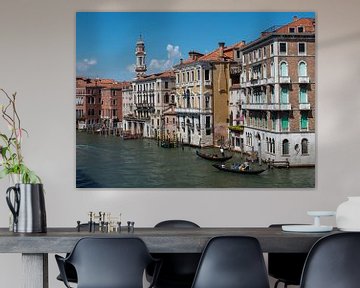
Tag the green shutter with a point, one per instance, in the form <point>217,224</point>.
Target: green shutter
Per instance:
<point>284,95</point>
<point>285,122</point>
<point>304,121</point>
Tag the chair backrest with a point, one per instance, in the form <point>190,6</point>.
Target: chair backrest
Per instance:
<point>232,262</point>
<point>333,262</point>
<point>110,262</point>
<point>178,269</point>
<point>176,224</point>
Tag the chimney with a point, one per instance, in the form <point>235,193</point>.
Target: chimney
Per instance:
<point>295,18</point>
<point>221,49</point>
<point>181,61</point>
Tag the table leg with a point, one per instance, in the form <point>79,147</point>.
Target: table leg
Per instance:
<point>35,270</point>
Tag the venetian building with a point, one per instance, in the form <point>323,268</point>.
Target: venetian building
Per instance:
<point>202,96</point>
<point>88,103</point>
<point>278,84</point>
<point>236,114</point>
<point>151,95</point>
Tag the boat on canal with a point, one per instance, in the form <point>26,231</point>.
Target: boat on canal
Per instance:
<point>233,169</point>
<point>213,157</point>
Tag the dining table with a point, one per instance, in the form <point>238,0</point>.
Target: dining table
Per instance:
<point>35,247</point>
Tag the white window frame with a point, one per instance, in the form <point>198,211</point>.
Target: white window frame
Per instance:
<point>301,53</point>
<point>286,45</point>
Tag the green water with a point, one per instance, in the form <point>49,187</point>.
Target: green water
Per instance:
<point>110,162</point>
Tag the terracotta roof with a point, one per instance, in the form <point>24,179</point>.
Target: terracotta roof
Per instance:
<point>164,74</point>
<point>228,53</point>
<point>82,82</point>
<point>307,23</point>
<point>215,55</point>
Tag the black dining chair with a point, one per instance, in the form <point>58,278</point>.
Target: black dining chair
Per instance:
<point>333,262</point>
<point>232,262</point>
<point>285,267</point>
<point>178,269</point>
<point>108,263</point>
<point>70,271</point>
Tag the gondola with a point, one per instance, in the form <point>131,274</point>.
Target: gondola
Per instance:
<point>213,157</point>
<point>233,170</point>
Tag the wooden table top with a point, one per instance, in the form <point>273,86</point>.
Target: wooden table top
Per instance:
<point>158,240</point>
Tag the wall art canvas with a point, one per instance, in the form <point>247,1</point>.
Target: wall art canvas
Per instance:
<point>195,99</point>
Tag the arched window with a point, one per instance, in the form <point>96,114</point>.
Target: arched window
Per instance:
<point>166,98</point>
<point>264,71</point>
<point>267,144</point>
<point>303,95</point>
<point>284,97</point>
<point>285,147</point>
<point>272,70</point>
<point>273,145</point>
<point>284,69</point>
<point>304,146</point>
<point>302,69</point>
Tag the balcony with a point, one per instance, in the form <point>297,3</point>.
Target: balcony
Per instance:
<point>264,106</point>
<point>187,110</point>
<point>284,79</point>
<point>279,107</point>
<point>207,82</point>
<point>255,106</point>
<point>236,128</point>
<point>145,107</point>
<point>304,79</point>
<point>304,106</point>
<point>263,81</point>
<point>270,80</point>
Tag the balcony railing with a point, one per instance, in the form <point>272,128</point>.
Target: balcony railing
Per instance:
<point>264,106</point>
<point>284,79</point>
<point>304,106</point>
<point>304,79</point>
<point>187,110</point>
<point>236,128</point>
<point>207,82</point>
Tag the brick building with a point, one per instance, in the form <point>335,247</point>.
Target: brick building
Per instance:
<point>98,102</point>
<point>278,84</point>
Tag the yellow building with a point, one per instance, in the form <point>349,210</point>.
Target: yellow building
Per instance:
<point>202,96</point>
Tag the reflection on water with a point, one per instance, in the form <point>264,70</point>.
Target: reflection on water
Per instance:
<point>110,162</point>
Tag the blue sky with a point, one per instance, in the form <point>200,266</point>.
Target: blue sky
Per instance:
<point>105,41</point>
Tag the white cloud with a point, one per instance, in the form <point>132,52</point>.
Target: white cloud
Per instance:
<point>131,67</point>
<point>173,56</point>
<point>85,64</point>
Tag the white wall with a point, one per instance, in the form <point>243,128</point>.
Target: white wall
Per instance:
<point>37,59</point>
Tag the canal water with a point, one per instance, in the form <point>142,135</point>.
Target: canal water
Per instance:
<point>110,162</point>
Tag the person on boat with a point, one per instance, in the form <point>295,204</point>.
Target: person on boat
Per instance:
<point>245,166</point>
<point>222,151</point>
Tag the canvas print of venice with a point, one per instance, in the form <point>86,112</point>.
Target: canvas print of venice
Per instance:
<point>195,100</point>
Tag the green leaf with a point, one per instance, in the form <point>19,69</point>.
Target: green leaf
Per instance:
<point>4,173</point>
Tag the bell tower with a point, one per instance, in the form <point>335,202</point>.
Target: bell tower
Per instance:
<point>140,53</point>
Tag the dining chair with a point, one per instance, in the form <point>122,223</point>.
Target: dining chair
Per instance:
<point>108,263</point>
<point>285,267</point>
<point>178,269</point>
<point>69,269</point>
<point>231,262</point>
<point>333,262</point>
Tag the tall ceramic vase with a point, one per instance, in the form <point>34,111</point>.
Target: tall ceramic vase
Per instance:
<point>348,214</point>
<point>27,204</point>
